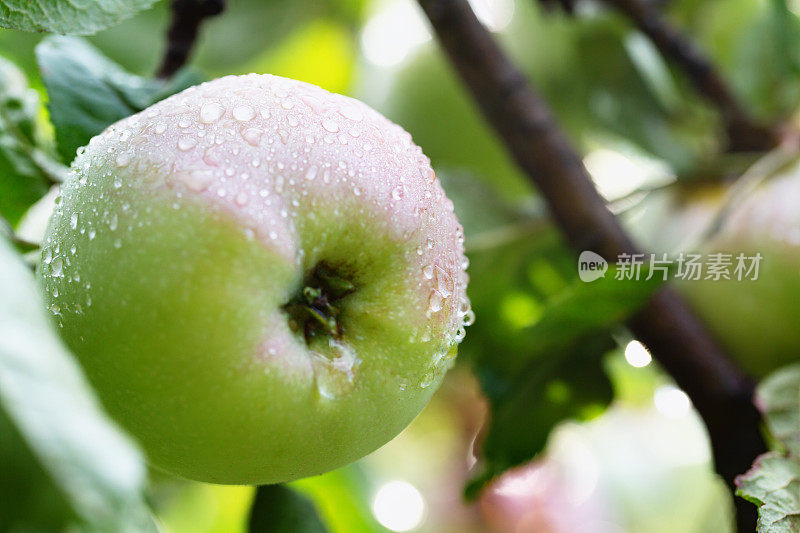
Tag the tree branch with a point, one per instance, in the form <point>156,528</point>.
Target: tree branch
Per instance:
<point>187,16</point>
<point>719,391</point>
<point>744,133</point>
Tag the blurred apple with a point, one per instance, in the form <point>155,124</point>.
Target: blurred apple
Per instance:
<point>755,319</point>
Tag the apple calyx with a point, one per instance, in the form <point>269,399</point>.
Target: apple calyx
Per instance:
<point>315,310</point>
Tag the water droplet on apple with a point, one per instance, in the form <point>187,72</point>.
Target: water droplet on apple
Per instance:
<point>186,143</point>
<point>352,112</point>
<point>123,159</point>
<point>334,374</point>
<point>435,302</point>
<point>211,112</point>
<point>197,180</point>
<point>243,113</point>
<point>56,267</point>
<point>469,318</point>
<point>252,136</point>
<point>241,199</point>
<point>330,126</point>
<point>311,172</point>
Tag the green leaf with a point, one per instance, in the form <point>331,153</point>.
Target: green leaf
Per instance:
<point>778,398</point>
<point>88,92</point>
<point>277,508</point>
<point>342,497</point>
<point>67,16</point>
<point>50,402</point>
<point>29,500</point>
<point>773,484</point>
<point>25,169</point>
<point>541,334</point>
<point>571,384</point>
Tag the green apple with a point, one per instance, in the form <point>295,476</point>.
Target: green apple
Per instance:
<point>263,280</point>
<point>755,319</point>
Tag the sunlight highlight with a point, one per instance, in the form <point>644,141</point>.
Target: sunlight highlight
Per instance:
<point>399,506</point>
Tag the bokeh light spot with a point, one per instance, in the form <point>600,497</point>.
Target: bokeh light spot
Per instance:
<point>399,506</point>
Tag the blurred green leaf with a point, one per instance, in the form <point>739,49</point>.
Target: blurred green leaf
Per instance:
<point>342,497</point>
<point>569,385</point>
<point>29,500</point>
<point>773,484</point>
<point>490,220</point>
<point>24,168</point>
<point>46,396</point>
<point>277,508</point>
<point>778,397</point>
<point>541,334</point>
<point>321,52</point>
<point>88,92</point>
<point>67,16</point>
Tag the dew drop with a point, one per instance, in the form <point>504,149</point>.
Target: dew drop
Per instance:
<point>335,375</point>
<point>427,271</point>
<point>73,221</point>
<point>57,267</point>
<point>311,172</point>
<point>469,318</point>
<point>443,283</point>
<point>198,180</point>
<point>186,143</point>
<point>123,159</point>
<point>243,113</point>
<point>435,302</point>
<point>211,112</point>
<point>241,199</point>
<point>330,126</point>
<point>351,112</point>
<point>252,136</point>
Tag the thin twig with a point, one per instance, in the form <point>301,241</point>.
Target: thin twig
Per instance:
<point>683,347</point>
<point>187,16</point>
<point>744,132</point>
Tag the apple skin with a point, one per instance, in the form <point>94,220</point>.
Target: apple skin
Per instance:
<point>184,232</point>
<point>755,320</point>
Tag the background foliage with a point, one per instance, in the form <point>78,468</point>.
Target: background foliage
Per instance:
<point>548,384</point>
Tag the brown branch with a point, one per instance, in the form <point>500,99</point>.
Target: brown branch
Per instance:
<point>187,17</point>
<point>719,391</point>
<point>744,132</point>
